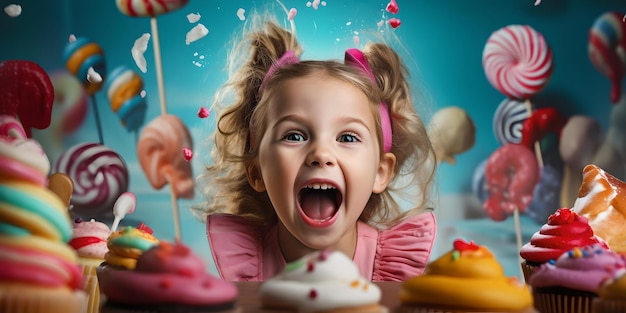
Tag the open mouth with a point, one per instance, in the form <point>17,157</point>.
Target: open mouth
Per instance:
<point>319,203</point>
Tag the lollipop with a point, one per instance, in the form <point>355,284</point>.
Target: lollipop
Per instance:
<point>99,174</point>
<point>508,119</point>
<point>85,59</point>
<point>149,8</point>
<point>160,154</point>
<point>539,124</point>
<point>607,49</point>
<point>517,61</point>
<point>125,204</point>
<point>452,131</point>
<point>123,90</point>
<point>27,92</point>
<point>70,103</point>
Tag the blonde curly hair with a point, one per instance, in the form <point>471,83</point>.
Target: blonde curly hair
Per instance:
<point>241,109</point>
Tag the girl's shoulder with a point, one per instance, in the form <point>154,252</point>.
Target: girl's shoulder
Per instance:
<point>403,251</point>
<point>236,246</point>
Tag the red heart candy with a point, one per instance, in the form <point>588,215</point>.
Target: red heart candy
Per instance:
<point>392,7</point>
<point>394,22</point>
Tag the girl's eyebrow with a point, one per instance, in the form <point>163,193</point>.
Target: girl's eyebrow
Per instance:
<point>301,120</point>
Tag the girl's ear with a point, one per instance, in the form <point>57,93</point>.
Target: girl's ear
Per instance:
<point>255,179</point>
<point>384,173</point>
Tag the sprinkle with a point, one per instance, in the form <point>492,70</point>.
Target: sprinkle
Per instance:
<point>78,220</point>
<point>187,154</point>
<point>310,267</point>
<point>455,255</point>
<point>203,112</point>
<point>324,255</point>
<point>313,294</point>
<point>551,261</point>
<point>575,253</point>
<point>354,284</point>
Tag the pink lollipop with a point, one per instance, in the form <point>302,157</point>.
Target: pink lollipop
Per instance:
<point>100,176</point>
<point>160,154</point>
<point>517,61</point>
<point>145,8</point>
<point>607,49</point>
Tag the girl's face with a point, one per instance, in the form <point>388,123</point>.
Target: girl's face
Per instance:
<point>319,161</point>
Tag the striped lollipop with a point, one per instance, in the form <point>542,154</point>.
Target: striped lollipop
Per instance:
<point>99,174</point>
<point>607,49</point>
<point>517,61</point>
<point>145,8</point>
<point>123,89</point>
<point>82,54</point>
<point>508,120</point>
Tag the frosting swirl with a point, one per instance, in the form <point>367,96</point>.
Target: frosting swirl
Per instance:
<point>323,280</point>
<point>127,244</point>
<point>583,268</point>
<point>167,274</point>
<point>564,231</point>
<point>467,277</point>
<point>34,222</point>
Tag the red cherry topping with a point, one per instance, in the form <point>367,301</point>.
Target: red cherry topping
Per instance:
<point>461,245</point>
<point>313,294</point>
<point>144,228</point>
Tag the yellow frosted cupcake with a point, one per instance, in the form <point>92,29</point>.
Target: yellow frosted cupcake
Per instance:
<point>612,295</point>
<point>466,279</point>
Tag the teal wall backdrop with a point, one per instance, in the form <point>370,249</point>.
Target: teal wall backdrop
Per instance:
<point>443,43</point>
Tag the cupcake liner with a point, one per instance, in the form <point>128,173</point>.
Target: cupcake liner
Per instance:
<point>547,302</point>
<point>91,287</point>
<point>118,308</point>
<point>600,305</point>
<point>527,269</point>
<point>34,299</point>
<point>441,309</point>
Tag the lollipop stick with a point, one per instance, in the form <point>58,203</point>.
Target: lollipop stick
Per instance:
<point>97,116</point>
<point>518,233</point>
<point>157,60</point>
<point>177,235</point>
<point>529,109</point>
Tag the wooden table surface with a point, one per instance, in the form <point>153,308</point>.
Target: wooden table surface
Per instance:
<point>248,300</point>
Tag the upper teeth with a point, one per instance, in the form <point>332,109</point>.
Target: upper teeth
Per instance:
<point>320,186</point>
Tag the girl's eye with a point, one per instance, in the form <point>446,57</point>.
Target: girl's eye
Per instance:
<point>293,137</point>
<point>348,138</point>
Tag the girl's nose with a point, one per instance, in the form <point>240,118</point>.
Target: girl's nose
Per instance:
<point>320,155</point>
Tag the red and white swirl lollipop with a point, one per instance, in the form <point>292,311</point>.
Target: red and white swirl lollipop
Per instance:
<point>517,61</point>
<point>149,8</point>
<point>99,174</point>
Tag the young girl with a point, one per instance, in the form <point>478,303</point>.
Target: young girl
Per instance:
<point>306,157</point>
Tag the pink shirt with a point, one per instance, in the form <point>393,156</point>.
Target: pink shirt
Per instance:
<point>242,251</point>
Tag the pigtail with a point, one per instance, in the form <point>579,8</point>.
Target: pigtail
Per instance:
<point>411,145</point>
<point>224,182</point>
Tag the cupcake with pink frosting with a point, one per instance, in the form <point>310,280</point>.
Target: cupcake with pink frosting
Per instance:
<point>571,282</point>
<point>89,239</point>
<point>168,277</point>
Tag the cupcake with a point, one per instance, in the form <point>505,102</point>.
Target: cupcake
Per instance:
<point>570,283</point>
<point>466,279</point>
<point>38,269</point>
<point>323,281</point>
<point>126,245</point>
<point>167,278</point>
<point>611,295</point>
<point>563,231</point>
<point>89,239</point>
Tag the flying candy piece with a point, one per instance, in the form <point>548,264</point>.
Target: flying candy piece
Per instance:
<point>394,22</point>
<point>537,2</point>
<point>27,92</point>
<point>240,14</point>
<point>196,33</point>
<point>187,154</point>
<point>139,47</point>
<point>125,204</point>
<point>13,10</point>
<point>392,7</point>
<point>203,112</point>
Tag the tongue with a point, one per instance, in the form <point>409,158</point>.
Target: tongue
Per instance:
<point>318,205</point>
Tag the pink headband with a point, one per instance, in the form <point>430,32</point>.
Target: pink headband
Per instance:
<point>356,58</point>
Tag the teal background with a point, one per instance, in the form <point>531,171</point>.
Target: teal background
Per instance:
<point>443,43</point>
